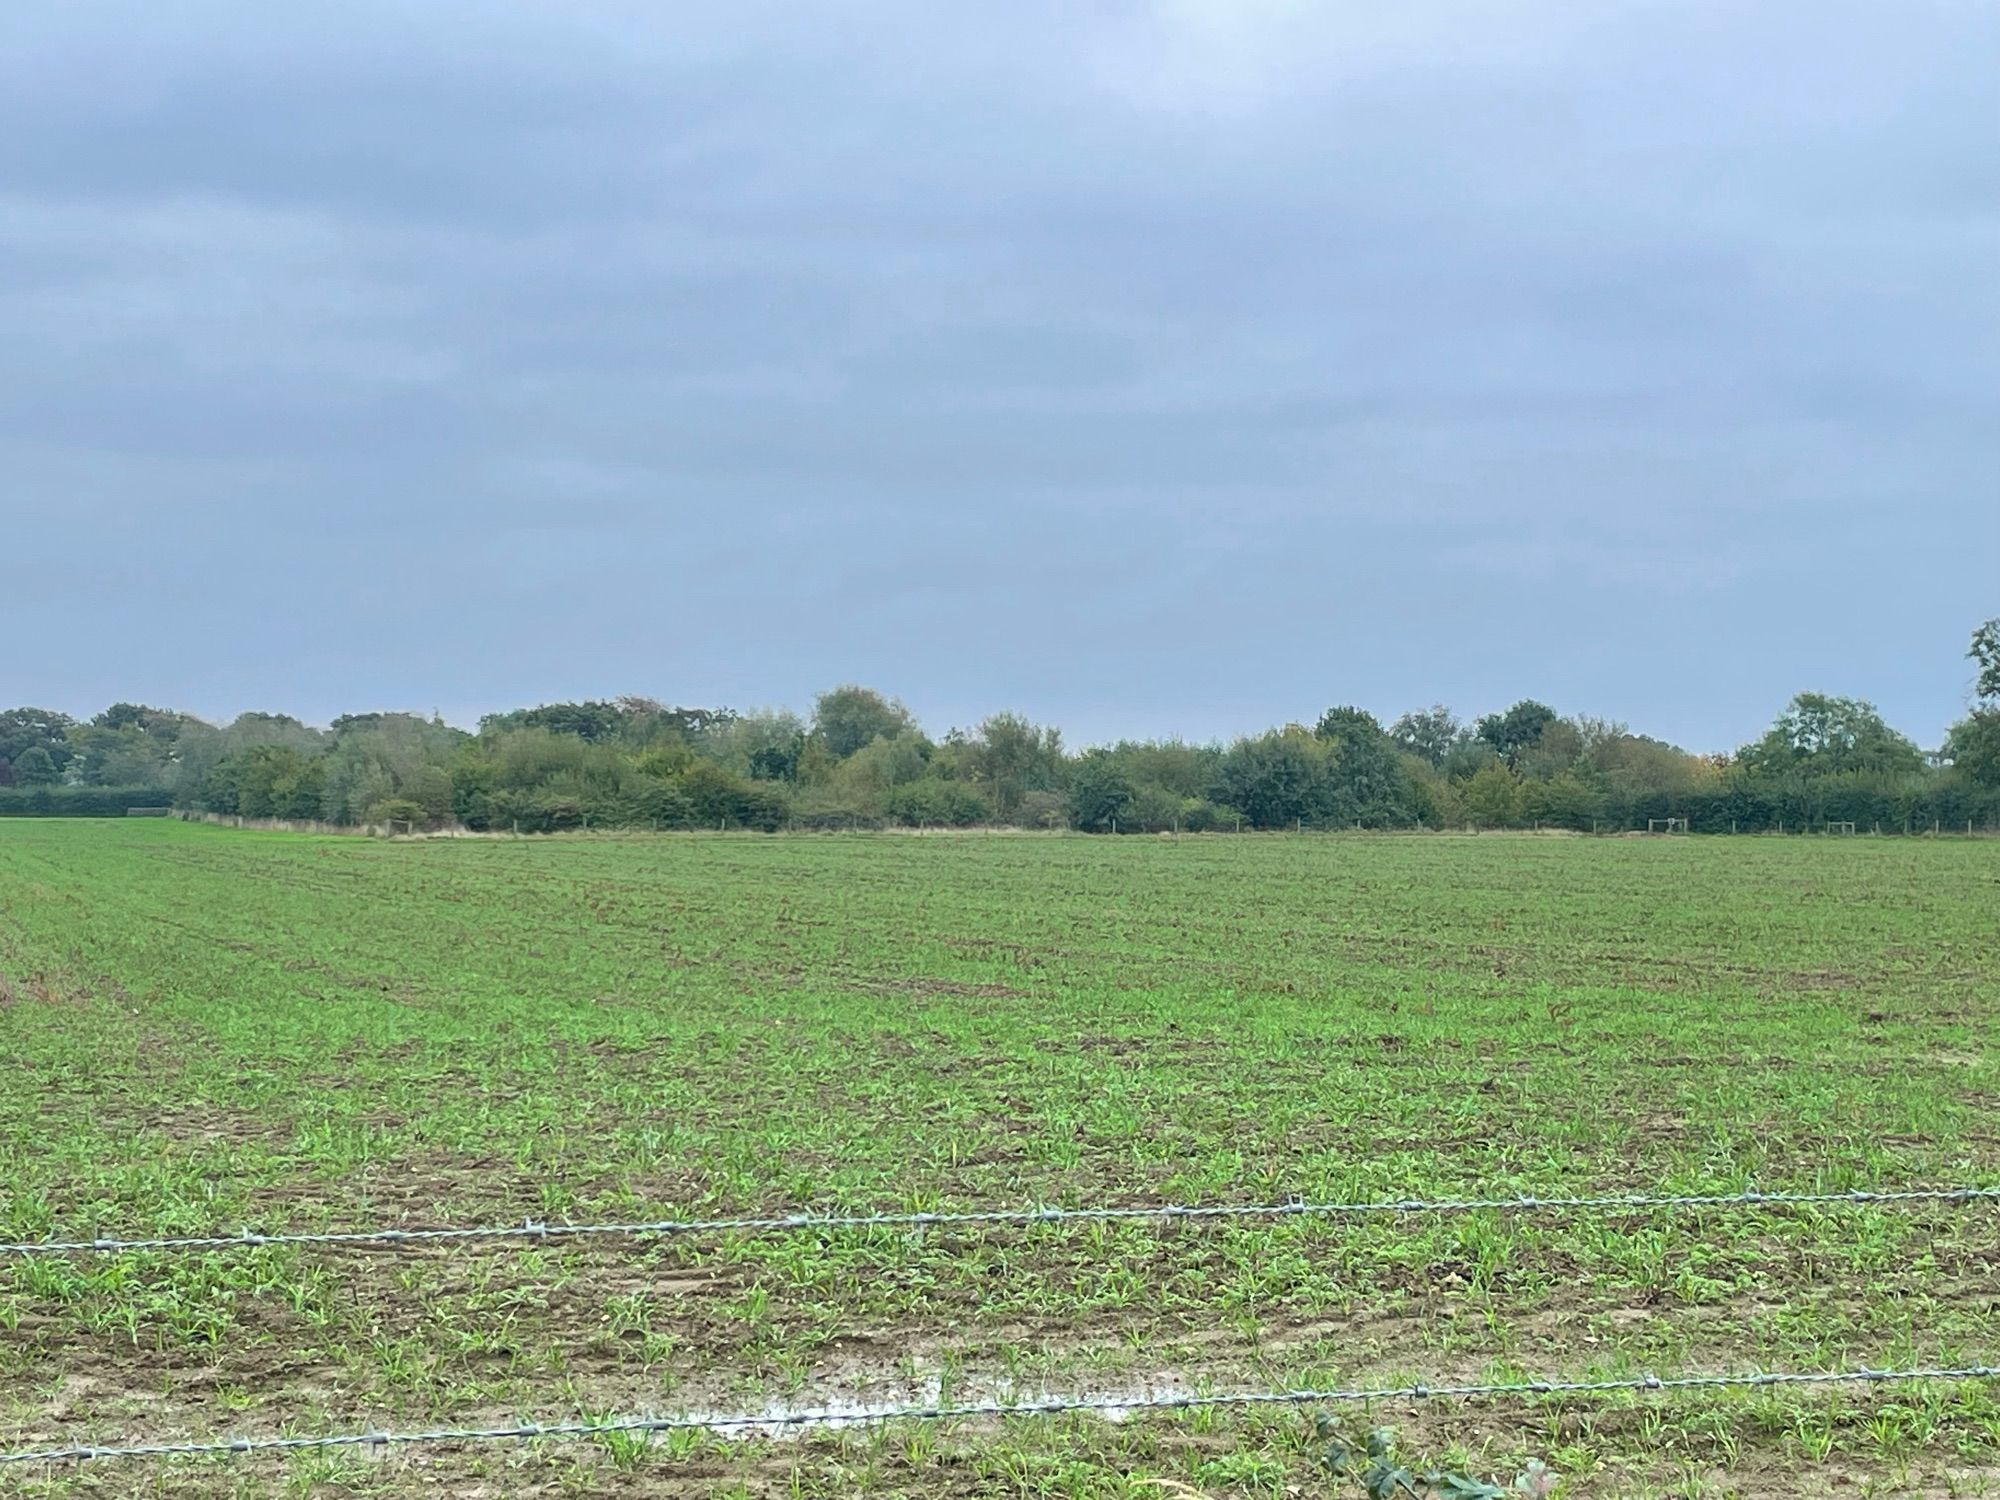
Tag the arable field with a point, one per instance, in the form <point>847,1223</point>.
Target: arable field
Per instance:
<point>205,1030</point>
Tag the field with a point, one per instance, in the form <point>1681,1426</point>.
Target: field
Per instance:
<point>207,1029</point>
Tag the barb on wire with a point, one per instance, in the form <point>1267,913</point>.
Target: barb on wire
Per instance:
<point>781,1223</point>
<point>1052,1406</point>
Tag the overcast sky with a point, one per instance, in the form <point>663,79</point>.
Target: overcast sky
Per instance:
<point>1148,368</point>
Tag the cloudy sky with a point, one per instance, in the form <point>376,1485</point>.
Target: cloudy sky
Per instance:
<point>1176,367</point>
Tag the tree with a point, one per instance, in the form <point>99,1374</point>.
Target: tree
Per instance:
<point>717,798</point>
<point>404,757</point>
<point>1427,733</point>
<point>1564,800</point>
<point>1012,756</point>
<point>130,745</point>
<point>1492,798</point>
<point>270,781</point>
<point>1468,756</point>
<point>1515,730</point>
<point>1100,791</point>
<point>932,803</point>
<point>1366,783</point>
<point>765,745</point>
<point>1974,747</point>
<point>1985,651</point>
<point>865,779</point>
<point>1819,735</point>
<point>34,766</point>
<point>850,716</point>
<point>44,729</point>
<point>593,721</point>
<point>1555,750</point>
<point>1279,779</point>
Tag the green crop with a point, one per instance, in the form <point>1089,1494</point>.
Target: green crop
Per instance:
<point>206,1029</point>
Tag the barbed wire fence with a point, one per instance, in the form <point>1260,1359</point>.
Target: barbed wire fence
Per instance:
<point>1053,1406</point>
<point>776,1422</point>
<point>793,1222</point>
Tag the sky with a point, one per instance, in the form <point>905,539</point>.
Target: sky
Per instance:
<point>1164,368</point>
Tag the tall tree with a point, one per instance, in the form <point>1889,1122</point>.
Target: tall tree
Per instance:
<point>34,766</point>
<point>1515,730</point>
<point>1974,746</point>
<point>1367,784</point>
<point>1278,779</point>
<point>44,729</point>
<point>1013,756</point>
<point>1427,733</point>
<point>1821,735</point>
<point>1099,791</point>
<point>1985,652</point>
<point>850,716</point>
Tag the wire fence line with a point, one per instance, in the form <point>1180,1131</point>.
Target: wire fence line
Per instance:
<point>1051,1406</point>
<point>781,1223</point>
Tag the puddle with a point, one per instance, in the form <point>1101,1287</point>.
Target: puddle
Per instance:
<point>830,1408</point>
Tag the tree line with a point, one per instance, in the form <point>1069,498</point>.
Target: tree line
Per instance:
<point>861,760</point>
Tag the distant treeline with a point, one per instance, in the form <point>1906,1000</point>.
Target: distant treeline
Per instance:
<point>860,760</point>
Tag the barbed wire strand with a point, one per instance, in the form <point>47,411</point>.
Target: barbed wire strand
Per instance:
<point>1053,1406</point>
<point>533,1230</point>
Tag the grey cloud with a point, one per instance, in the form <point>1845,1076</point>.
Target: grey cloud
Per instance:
<point>1147,366</point>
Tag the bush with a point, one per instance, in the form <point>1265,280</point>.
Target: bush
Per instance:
<point>1100,792</point>
<point>718,798</point>
<point>933,803</point>
<point>79,801</point>
<point>1492,797</point>
<point>1042,809</point>
<point>1199,815</point>
<point>398,810</point>
<point>1153,809</point>
<point>1564,801</point>
<point>654,804</point>
<point>827,808</point>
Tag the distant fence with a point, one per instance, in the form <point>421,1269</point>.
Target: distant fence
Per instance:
<point>282,825</point>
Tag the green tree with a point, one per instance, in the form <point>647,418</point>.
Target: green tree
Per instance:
<point>274,781</point>
<point>1492,797</point>
<point>593,721</point>
<point>1515,730</point>
<point>1427,733</point>
<point>1279,779</point>
<point>931,803</point>
<point>34,766</point>
<point>1011,757</point>
<point>850,716</point>
<point>1565,800</point>
<point>1985,652</point>
<point>129,745</point>
<point>380,757</point>
<point>44,729</point>
<point>865,779</point>
<point>1366,781</point>
<point>1100,791</point>
<point>1819,735</point>
<point>1555,750</point>
<point>1974,747</point>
